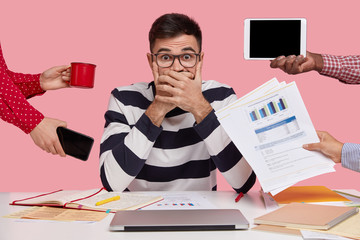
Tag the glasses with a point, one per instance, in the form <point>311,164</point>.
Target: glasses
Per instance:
<point>165,60</point>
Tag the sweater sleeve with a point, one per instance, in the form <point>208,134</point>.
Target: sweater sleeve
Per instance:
<point>223,152</point>
<point>124,147</point>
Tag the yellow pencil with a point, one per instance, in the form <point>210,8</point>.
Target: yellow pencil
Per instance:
<point>107,200</point>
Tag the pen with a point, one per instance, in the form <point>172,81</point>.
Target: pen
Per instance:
<point>239,197</point>
<point>107,200</point>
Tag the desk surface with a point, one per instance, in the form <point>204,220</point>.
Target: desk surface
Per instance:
<point>251,205</point>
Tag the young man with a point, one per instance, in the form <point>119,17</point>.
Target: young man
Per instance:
<point>347,70</point>
<point>164,135</point>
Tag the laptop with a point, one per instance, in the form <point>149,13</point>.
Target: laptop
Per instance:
<point>179,220</point>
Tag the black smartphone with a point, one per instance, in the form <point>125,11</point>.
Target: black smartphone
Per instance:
<point>75,144</point>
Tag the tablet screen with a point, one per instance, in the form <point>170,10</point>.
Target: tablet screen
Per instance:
<point>269,39</point>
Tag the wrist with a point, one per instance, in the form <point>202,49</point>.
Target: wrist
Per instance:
<point>319,62</point>
<point>201,111</point>
<point>41,82</point>
<point>155,114</point>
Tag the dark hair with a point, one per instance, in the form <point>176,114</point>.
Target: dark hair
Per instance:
<point>172,25</point>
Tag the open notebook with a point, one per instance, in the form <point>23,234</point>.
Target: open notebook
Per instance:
<point>88,198</point>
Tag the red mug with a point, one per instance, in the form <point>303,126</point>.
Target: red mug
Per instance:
<point>82,75</point>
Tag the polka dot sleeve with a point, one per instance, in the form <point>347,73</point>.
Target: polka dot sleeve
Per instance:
<point>14,108</point>
<point>28,84</point>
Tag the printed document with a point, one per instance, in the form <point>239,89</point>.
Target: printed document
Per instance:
<point>269,126</point>
<point>181,201</point>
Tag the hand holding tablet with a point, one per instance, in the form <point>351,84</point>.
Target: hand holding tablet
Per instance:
<point>268,38</point>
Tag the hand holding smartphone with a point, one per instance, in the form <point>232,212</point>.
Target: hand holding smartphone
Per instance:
<point>75,144</point>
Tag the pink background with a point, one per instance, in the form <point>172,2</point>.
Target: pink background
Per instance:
<point>112,34</point>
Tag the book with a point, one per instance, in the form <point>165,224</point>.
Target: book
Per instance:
<point>277,229</point>
<point>87,200</point>
<point>347,228</point>
<point>349,192</point>
<point>306,216</point>
<point>308,194</point>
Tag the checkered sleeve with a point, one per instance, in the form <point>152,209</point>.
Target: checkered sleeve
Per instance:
<point>345,68</point>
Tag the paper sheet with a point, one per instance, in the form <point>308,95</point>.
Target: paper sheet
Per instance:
<point>270,203</point>
<point>188,200</point>
<point>269,126</point>
<point>348,228</point>
<point>58,214</point>
<point>310,235</point>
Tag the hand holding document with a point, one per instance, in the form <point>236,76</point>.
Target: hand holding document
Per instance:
<point>269,126</point>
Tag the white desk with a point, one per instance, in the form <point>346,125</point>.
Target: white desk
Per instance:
<point>251,205</point>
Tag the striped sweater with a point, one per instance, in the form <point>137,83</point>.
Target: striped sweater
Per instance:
<point>180,155</point>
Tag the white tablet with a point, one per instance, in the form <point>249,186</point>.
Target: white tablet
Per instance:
<point>268,38</point>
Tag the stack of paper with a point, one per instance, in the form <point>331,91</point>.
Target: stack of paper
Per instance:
<point>269,126</point>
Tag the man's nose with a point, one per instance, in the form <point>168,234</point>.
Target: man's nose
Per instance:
<point>177,65</point>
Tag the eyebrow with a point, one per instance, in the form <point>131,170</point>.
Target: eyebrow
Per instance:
<point>183,50</point>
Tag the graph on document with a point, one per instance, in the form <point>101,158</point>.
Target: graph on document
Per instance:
<point>268,108</point>
<point>273,122</point>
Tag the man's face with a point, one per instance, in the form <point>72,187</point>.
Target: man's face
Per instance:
<point>181,44</point>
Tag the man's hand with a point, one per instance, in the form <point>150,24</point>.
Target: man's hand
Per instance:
<point>184,92</point>
<point>55,78</point>
<point>328,145</point>
<point>44,135</point>
<point>298,64</point>
<point>157,109</point>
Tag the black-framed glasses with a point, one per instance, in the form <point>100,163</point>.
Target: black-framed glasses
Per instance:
<point>165,60</point>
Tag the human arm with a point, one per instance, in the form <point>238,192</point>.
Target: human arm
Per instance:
<point>45,136</point>
<point>226,157</point>
<point>328,146</point>
<point>222,150</point>
<point>157,110</point>
<point>34,84</point>
<point>299,64</point>
<point>348,154</point>
<point>344,68</point>
<point>14,107</point>
<point>17,110</point>
<point>128,138</point>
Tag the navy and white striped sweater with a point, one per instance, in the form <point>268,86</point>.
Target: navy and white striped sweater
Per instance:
<point>180,155</point>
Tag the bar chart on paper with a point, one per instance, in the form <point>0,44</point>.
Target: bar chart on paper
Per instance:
<point>268,109</point>
<point>272,120</point>
<point>173,200</point>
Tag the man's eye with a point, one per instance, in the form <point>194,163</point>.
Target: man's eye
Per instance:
<point>165,57</point>
<point>187,56</point>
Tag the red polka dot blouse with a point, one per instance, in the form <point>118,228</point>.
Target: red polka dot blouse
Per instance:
<point>15,88</point>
